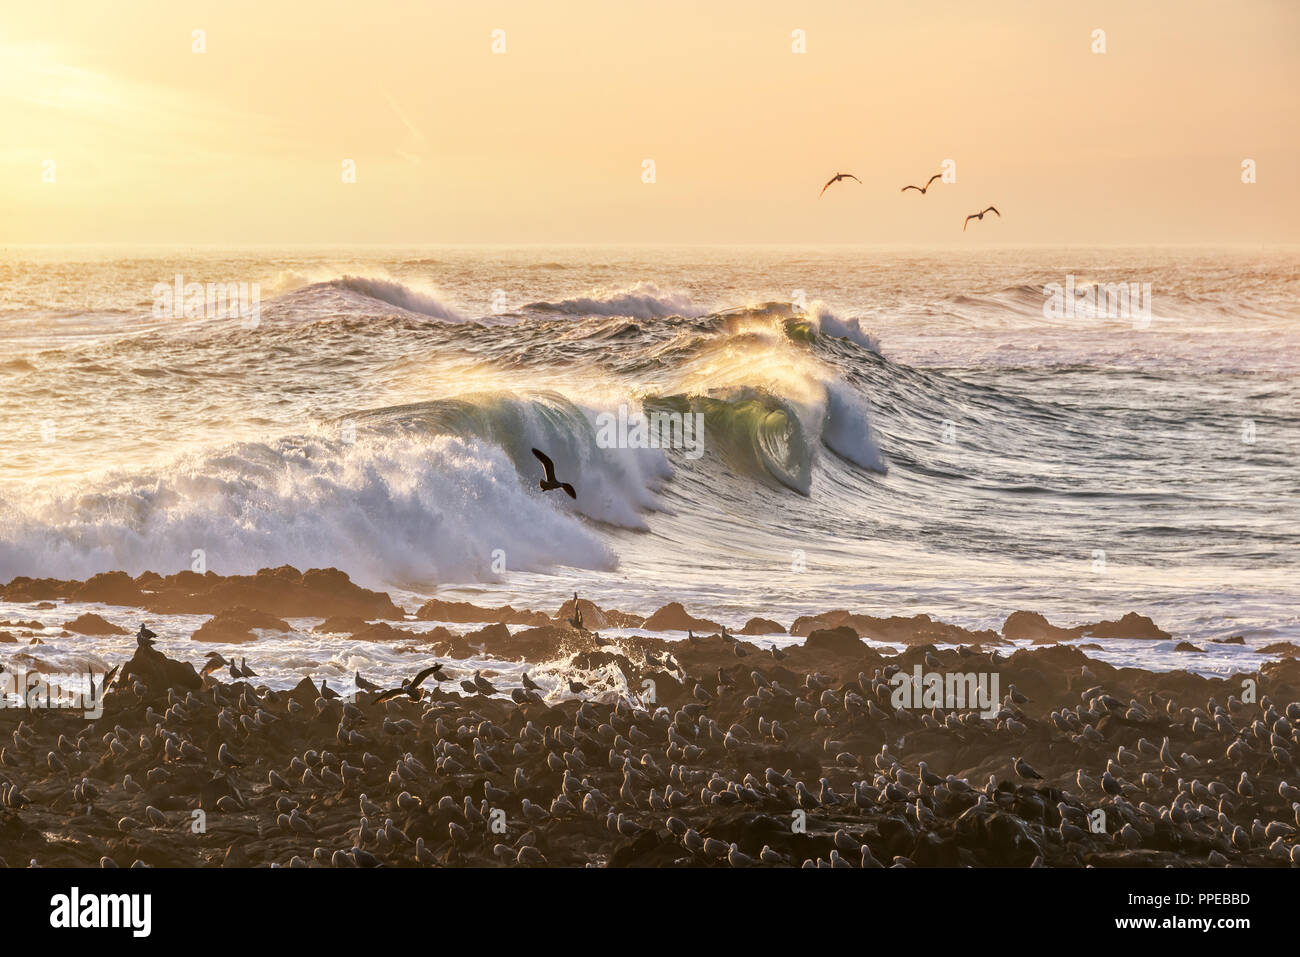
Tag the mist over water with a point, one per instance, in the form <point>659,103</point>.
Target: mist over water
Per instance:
<point>887,431</point>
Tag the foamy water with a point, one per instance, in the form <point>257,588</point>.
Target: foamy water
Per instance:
<point>890,432</point>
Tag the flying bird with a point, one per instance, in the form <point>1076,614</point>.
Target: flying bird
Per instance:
<point>922,189</point>
<point>979,215</point>
<point>411,690</point>
<point>549,482</point>
<point>835,179</point>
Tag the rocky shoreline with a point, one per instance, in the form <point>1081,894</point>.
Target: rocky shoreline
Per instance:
<point>722,752</point>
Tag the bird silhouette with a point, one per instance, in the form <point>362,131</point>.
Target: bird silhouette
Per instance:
<point>550,482</point>
<point>979,215</point>
<point>835,179</point>
<point>576,620</point>
<point>411,690</point>
<point>922,189</point>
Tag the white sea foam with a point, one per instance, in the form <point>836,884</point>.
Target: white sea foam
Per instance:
<point>643,300</point>
<point>387,509</point>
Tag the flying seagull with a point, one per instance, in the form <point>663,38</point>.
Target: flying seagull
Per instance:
<point>922,189</point>
<point>410,690</point>
<point>835,179</point>
<point>549,482</point>
<point>979,215</point>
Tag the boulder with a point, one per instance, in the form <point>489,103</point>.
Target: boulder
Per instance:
<point>92,624</point>
<point>673,617</point>
<point>235,625</point>
<point>842,640</point>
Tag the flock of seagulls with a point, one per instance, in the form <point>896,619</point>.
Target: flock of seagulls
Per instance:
<point>655,777</point>
<point>920,189</point>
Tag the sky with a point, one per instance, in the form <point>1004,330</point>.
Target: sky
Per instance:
<point>118,130</point>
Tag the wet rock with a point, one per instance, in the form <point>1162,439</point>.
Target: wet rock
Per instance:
<point>1286,649</point>
<point>1031,626</point>
<point>157,673</point>
<point>109,588</point>
<point>436,609</point>
<point>916,630</point>
<point>284,591</point>
<point>594,617</point>
<point>92,624</point>
<point>673,617</point>
<point>839,641</point>
<point>1131,625</point>
<point>235,626</point>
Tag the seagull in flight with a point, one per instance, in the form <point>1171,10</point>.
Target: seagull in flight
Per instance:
<point>411,690</point>
<point>979,215</point>
<point>922,189</point>
<point>549,482</point>
<point>835,179</point>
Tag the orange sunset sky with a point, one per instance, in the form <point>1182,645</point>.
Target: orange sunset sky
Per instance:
<point>151,142</point>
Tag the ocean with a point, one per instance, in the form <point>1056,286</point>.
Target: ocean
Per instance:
<point>888,431</point>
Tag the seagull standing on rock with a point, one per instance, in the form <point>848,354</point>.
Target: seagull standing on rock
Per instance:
<point>1025,771</point>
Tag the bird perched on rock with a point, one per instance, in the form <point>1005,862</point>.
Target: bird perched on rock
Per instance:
<point>1024,770</point>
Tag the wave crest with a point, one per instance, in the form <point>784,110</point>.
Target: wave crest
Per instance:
<point>643,300</point>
